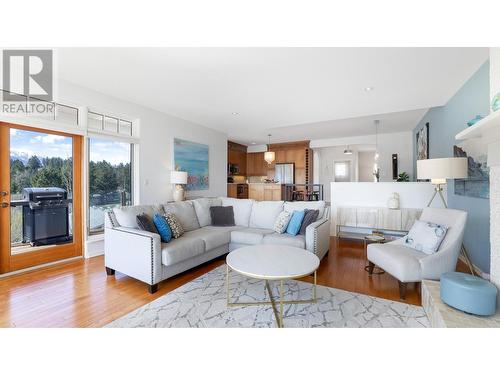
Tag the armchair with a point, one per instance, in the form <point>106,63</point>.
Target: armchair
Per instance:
<point>409,265</point>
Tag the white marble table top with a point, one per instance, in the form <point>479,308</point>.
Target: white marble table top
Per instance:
<point>272,262</point>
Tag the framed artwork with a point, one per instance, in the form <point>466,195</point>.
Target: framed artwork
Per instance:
<point>423,142</point>
<point>192,158</point>
<point>477,184</point>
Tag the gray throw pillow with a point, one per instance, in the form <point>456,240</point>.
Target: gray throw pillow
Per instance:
<point>222,216</point>
<point>310,217</point>
<point>145,222</point>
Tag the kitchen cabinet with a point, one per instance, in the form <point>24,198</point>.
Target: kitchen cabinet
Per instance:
<point>265,192</point>
<point>232,191</point>
<point>237,154</point>
<point>256,191</point>
<point>256,165</point>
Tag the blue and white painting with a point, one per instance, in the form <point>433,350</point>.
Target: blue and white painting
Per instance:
<point>192,158</point>
<point>478,182</point>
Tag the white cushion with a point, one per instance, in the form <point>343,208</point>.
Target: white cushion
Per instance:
<point>264,214</point>
<point>242,209</point>
<point>425,236</point>
<point>185,213</point>
<point>126,215</point>
<point>301,206</point>
<point>398,260</point>
<point>213,238</point>
<point>181,249</point>
<point>285,239</point>
<point>249,236</point>
<point>202,208</point>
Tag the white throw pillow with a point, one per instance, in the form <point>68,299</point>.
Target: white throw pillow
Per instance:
<point>425,237</point>
<point>282,222</point>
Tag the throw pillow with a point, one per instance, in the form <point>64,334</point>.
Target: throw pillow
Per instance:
<point>144,222</point>
<point>310,217</point>
<point>162,227</point>
<point>282,222</point>
<point>425,237</point>
<point>293,227</point>
<point>222,216</point>
<point>202,208</point>
<point>175,225</point>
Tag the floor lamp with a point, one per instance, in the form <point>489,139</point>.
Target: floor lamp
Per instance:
<point>438,171</point>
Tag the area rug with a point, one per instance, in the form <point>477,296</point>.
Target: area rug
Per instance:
<point>202,303</point>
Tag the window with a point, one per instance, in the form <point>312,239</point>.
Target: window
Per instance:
<point>108,124</point>
<point>342,171</point>
<point>110,179</point>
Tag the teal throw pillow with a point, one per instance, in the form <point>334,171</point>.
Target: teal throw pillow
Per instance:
<point>163,228</point>
<point>295,223</point>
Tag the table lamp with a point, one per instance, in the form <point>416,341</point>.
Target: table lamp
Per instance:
<point>179,178</point>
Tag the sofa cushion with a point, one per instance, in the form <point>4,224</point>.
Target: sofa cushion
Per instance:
<point>185,213</point>
<point>264,214</point>
<point>242,209</point>
<point>181,249</point>
<point>222,216</point>
<point>162,228</point>
<point>285,239</point>
<point>398,260</point>
<point>126,215</point>
<point>202,209</point>
<point>249,236</point>
<point>282,221</point>
<point>295,223</point>
<point>300,206</point>
<point>174,225</point>
<point>145,222</point>
<point>213,238</point>
<point>309,218</point>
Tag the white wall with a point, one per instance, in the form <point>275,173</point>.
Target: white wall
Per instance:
<point>365,166</point>
<point>395,143</point>
<point>157,131</point>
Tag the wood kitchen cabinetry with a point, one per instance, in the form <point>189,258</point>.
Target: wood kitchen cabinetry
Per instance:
<point>256,165</point>
<point>237,155</point>
<point>232,190</point>
<point>265,192</point>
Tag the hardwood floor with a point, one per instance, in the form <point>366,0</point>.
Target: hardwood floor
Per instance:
<point>79,294</point>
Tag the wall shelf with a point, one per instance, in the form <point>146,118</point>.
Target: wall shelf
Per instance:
<point>483,127</point>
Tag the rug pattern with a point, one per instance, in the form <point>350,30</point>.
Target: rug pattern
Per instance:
<point>202,303</point>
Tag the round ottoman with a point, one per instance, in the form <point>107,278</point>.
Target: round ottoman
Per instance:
<point>468,293</point>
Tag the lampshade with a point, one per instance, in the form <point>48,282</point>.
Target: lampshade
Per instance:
<point>438,170</point>
<point>178,177</point>
<point>269,156</point>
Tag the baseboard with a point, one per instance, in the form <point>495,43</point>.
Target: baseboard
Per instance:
<point>94,248</point>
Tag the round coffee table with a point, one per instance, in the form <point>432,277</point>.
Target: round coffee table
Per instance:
<point>272,262</point>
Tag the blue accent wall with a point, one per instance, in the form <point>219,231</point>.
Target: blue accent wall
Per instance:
<point>445,122</point>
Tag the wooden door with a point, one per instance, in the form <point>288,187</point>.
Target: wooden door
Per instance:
<point>24,256</point>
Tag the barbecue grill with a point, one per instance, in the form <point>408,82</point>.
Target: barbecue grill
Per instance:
<point>45,216</point>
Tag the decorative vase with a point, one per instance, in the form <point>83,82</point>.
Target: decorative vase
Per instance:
<point>495,102</point>
<point>178,193</point>
<point>474,120</point>
<point>393,201</point>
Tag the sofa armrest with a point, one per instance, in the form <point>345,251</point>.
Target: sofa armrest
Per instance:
<point>134,252</point>
<point>318,237</point>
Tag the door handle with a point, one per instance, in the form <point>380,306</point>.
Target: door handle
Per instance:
<point>4,205</point>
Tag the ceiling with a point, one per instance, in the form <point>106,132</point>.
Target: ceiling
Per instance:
<point>249,92</point>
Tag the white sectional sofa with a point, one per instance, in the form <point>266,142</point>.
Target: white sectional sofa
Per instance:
<point>143,256</point>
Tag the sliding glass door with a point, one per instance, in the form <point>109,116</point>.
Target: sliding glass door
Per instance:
<point>40,193</point>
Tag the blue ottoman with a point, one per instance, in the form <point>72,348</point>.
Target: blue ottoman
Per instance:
<point>468,293</point>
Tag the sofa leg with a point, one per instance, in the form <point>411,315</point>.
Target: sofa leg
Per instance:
<point>152,288</point>
<point>110,271</point>
<point>371,266</point>
<point>402,290</point>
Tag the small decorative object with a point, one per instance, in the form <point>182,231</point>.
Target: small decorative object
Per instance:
<point>178,178</point>
<point>474,120</point>
<point>495,103</point>
<point>468,293</point>
<point>403,177</point>
<point>423,142</point>
<point>393,201</point>
<point>376,173</point>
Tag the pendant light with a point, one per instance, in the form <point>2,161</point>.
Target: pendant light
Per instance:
<point>347,151</point>
<point>269,156</point>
